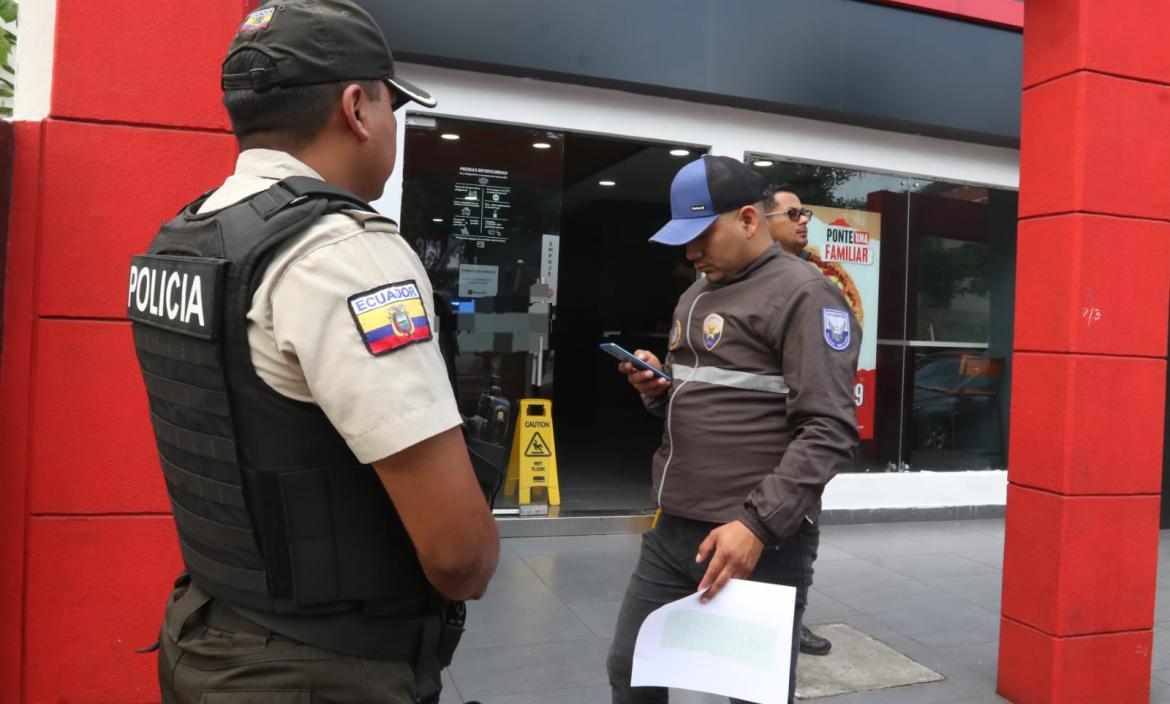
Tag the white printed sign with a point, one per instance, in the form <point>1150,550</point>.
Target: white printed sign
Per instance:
<point>478,280</point>
<point>550,254</point>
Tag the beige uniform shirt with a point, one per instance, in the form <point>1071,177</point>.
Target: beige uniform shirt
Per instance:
<point>305,326</point>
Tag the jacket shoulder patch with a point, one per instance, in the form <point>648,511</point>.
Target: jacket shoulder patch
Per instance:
<point>391,316</point>
<point>836,326</point>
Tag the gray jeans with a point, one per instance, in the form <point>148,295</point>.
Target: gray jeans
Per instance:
<point>666,571</point>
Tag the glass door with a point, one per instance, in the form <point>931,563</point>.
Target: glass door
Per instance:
<point>482,208</point>
<point>537,242</point>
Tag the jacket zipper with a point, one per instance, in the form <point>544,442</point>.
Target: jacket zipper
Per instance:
<point>673,396</point>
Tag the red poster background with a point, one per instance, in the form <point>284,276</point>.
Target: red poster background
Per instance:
<point>1004,13</point>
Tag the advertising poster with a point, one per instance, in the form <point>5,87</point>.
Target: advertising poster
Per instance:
<point>846,247</point>
<point>1009,13</point>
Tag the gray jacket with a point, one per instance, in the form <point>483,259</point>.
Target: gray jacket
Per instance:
<point>761,413</point>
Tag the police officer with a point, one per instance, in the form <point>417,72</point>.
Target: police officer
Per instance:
<point>328,516</point>
<point>759,415</point>
<point>787,220</point>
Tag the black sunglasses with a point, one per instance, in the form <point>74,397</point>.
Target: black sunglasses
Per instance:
<point>793,214</point>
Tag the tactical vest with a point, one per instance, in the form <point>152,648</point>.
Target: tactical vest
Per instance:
<point>274,512</point>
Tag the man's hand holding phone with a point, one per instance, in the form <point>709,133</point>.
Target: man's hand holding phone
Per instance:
<point>645,381</point>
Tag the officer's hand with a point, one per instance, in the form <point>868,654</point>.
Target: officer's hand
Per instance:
<point>645,381</point>
<point>737,550</point>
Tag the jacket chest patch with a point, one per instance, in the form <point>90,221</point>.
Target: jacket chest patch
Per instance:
<point>675,335</point>
<point>712,330</point>
<point>836,325</point>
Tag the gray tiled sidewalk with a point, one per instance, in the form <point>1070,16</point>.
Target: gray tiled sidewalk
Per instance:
<point>930,590</point>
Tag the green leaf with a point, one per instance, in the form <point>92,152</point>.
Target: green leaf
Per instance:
<point>8,10</point>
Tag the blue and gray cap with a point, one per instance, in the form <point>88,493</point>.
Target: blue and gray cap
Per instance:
<point>703,190</point>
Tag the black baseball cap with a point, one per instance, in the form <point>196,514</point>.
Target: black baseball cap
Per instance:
<point>704,189</point>
<point>317,41</point>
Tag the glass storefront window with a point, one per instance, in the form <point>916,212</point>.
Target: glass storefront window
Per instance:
<point>943,298</point>
<point>959,311</point>
<point>535,241</point>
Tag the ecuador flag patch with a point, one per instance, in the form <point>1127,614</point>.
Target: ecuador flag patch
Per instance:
<point>390,316</point>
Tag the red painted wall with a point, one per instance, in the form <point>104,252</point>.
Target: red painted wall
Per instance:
<point>86,540</point>
<point>1088,396</point>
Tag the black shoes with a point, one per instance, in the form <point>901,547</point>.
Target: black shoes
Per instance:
<point>812,644</point>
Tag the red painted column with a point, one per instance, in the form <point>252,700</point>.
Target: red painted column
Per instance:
<point>1092,296</point>
<point>86,540</point>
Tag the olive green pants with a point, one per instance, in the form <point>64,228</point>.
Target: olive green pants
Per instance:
<point>210,655</point>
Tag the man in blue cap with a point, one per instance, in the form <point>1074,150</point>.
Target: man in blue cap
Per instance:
<point>759,415</point>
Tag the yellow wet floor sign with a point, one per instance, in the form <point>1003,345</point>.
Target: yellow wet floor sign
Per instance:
<point>533,461</point>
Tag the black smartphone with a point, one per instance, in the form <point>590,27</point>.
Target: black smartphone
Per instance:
<point>617,351</point>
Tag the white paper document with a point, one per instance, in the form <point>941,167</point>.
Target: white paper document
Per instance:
<point>738,645</point>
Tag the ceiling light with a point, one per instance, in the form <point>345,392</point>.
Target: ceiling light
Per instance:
<point>436,219</point>
<point>762,162</point>
<point>541,145</point>
<point>449,136</point>
<point>680,152</point>
<point>607,183</point>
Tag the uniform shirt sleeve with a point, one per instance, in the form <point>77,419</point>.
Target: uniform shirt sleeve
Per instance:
<point>822,414</point>
<point>380,404</point>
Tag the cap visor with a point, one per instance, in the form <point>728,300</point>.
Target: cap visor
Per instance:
<point>683,230</point>
<point>409,91</point>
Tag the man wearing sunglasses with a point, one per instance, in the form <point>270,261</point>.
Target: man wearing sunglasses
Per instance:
<point>788,221</point>
<point>329,520</point>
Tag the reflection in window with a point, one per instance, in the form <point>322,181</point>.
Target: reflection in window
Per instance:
<point>956,418</point>
<point>954,300</point>
<point>944,311</point>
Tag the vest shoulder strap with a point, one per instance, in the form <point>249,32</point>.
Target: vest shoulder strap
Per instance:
<point>297,189</point>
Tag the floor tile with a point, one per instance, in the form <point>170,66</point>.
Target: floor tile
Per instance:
<point>598,694</point>
<point>563,545</point>
<point>511,568</point>
<point>600,615</point>
<point>953,625</point>
<point>1159,693</point>
<point>979,657</point>
<point>584,576</point>
<point>991,526</point>
<point>952,537</point>
<point>823,608</point>
<point>883,597</point>
<point>1161,656</point>
<point>854,572</point>
<point>487,674</point>
<point>828,553</point>
<point>521,615</point>
<point>933,566</point>
<point>450,693</point>
<point>983,590</point>
<point>871,545</point>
